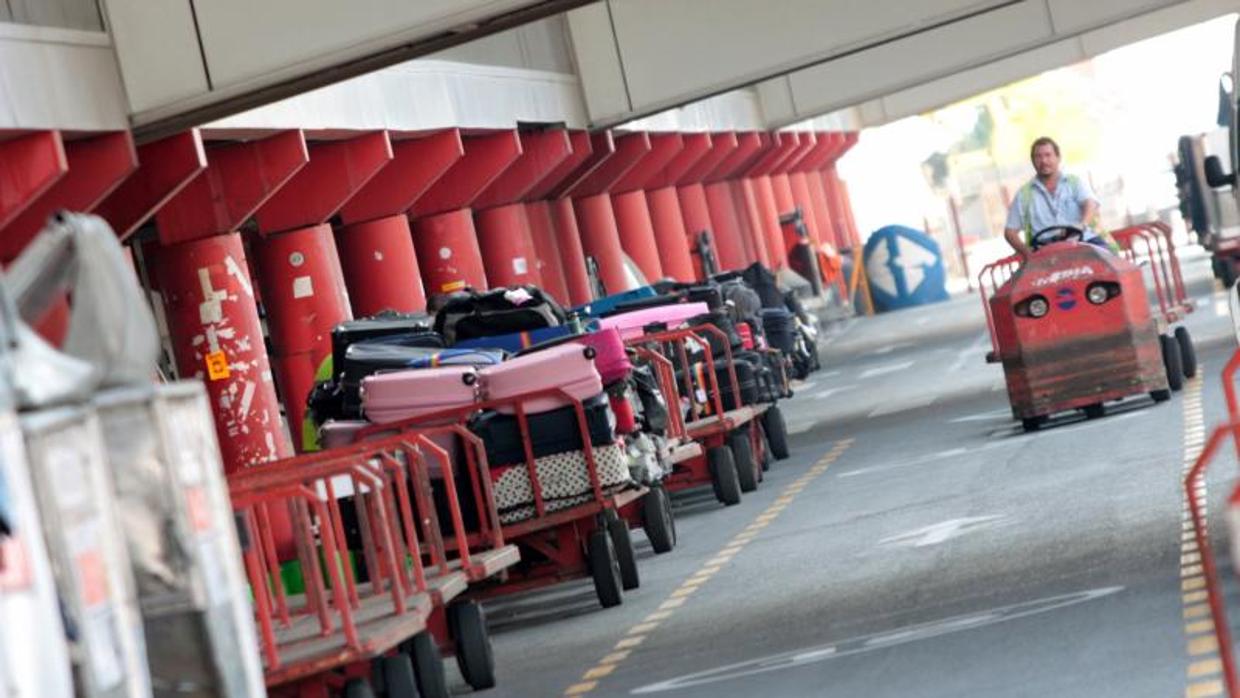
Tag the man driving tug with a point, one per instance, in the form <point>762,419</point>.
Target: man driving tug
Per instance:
<point>1052,199</point>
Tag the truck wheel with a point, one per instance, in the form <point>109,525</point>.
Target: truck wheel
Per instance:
<point>604,568</point>
<point>1188,355</point>
<point>1032,423</point>
<point>742,457</point>
<point>723,475</point>
<point>1172,362</point>
<point>398,680</point>
<point>626,557</point>
<point>1095,411</point>
<point>474,655</point>
<point>657,520</point>
<point>358,688</point>
<point>1160,395</point>
<point>776,432</point>
<point>427,665</point>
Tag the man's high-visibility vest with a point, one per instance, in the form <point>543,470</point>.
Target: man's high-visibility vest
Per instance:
<point>1026,212</point>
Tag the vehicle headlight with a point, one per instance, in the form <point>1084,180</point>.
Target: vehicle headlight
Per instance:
<point>1102,292</point>
<point>1038,307</point>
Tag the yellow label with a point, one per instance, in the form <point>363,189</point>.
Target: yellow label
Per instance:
<point>451,286</point>
<point>217,366</point>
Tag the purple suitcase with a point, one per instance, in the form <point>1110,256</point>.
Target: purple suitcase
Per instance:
<point>611,356</point>
<point>399,395</point>
<point>568,366</point>
<point>633,324</point>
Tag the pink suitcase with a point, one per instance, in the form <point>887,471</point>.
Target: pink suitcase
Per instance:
<point>611,357</point>
<point>568,366</point>
<point>632,324</point>
<point>398,395</point>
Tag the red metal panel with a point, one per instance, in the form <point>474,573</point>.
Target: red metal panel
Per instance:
<point>602,147</point>
<point>508,254</point>
<point>722,146</point>
<point>240,177</point>
<point>216,337</point>
<point>96,166</point>
<point>448,253</point>
<point>380,267</point>
<point>664,147</point>
<point>581,151</point>
<point>165,166</point>
<point>817,157</point>
<point>694,148</point>
<point>572,256</point>
<point>337,170</point>
<point>547,249</point>
<point>416,164</point>
<point>29,166</point>
<point>542,152</point>
<point>669,232</point>
<point>304,294</point>
<point>749,146</point>
<point>637,232</point>
<point>486,157</point>
<point>782,147</point>
<point>615,164</point>
<point>596,221</point>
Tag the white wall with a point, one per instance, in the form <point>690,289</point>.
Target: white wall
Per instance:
<point>59,79</point>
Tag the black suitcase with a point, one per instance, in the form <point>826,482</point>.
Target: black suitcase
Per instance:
<point>761,279</point>
<point>498,311</point>
<point>708,293</point>
<point>654,404</point>
<point>779,326</point>
<point>746,379</point>
<point>551,432</point>
<point>416,330</point>
<point>769,385</point>
<point>723,322</point>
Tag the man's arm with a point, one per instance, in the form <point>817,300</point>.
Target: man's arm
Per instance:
<point>1089,210</point>
<point>1016,238</point>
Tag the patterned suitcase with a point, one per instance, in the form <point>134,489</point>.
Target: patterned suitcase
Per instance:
<point>568,366</point>
<point>633,324</point>
<point>564,478</point>
<point>392,397</point>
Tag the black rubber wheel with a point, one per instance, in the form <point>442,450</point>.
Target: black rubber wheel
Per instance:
<point>1172,362</point>
<point>427,665</point>
<point>358,688</point>
<point>604,568</point>
<point>723,475</point>
<point>657,520</point>
<point>1227,272</point>
<point>1160,395</point>
<point>776,432</point>
<point>1095,411</point>
<point>1032,423</point>
<point>742,457</point>
<point>474,655</point>
<point>1188,355</point>
<point>622,540</point>
<point>398,679</point>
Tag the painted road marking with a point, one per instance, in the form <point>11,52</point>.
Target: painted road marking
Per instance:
<point>914,404</point>
<point>1204,669</point>
<point>941,532</point>
<point>885,369</point>
<point>666,610</point>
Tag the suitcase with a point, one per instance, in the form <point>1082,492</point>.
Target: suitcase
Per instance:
<point>770,388</point>
<point>338,433</point>
<point>653,401</point>
<point>608,303</point>
<point>659,301</point>
<point>551,432</point>
<point>515,342</point>
<point>415,330</point>
<point>569,367</point>
<point>497,312</point>
<point>399,395</point>
<point>779,326</point>
<point>367,358</point>
<point>611,356</point>
<point>746,378</point>
<point>762,281</point>
<point>633,324</point>
<point>745,303</point>
<point>564,479</point>
<point>723,322</point>
<point>708,293</point>
<point>745,332</point>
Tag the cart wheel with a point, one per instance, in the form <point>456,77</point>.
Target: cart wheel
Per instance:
<point>776,432</point>
<point>657,520</point>
<point>723,475</point>
<point>1188,355</point>
<point>604,568</point>
<point>1227,272</point>
<point>622,540</point>
<point>473,644</point>
<point>427,665</point>
<point>1032,423</point>
<point>1160,395</point>
<point>398,680</point>
<point>1095,411</point>
<point>1172,361</point>
<point>358,688</point>
<point>742,457</point>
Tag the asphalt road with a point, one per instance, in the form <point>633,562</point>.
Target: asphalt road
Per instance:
<point>916,544</point>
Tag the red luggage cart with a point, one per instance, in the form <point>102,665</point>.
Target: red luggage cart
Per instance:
<point>333,637</point>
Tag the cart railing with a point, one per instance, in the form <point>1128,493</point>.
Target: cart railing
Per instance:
<point>675,342</point>
<point>665,374</point>
<point>389,484</point>
<point>1192,481</point>
<point>989,280</point>
<point>1152,242</point>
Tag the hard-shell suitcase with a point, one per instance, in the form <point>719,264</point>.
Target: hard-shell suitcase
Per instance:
<point>516,341</point>
<point>723,322</point>
<point>633,324</point>
<point>415,329</point>
<point>367,358</point>
<point>554,431</point>
<point>769,388</point>
<point>658,301</point>
<point>569,367</point>
<point>564,479</point>
<point>399,395</point>
<point>746,379</point>
<point>337,433</point>
<point>708,293</point>
<point>780,328</point>
<point>611,356</point>
<point>607,304</point>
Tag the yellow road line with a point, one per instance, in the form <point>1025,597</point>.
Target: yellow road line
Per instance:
<point>1202,671</point>
<point>638,633</point>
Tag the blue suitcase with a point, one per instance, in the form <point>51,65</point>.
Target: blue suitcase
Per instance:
<point>517,341</point>
<point>607,304</point>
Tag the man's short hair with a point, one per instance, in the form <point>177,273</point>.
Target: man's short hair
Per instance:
<point>1044,140</point>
